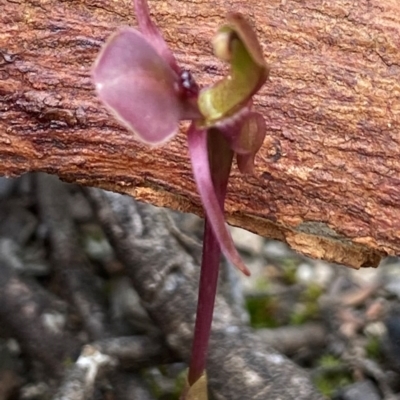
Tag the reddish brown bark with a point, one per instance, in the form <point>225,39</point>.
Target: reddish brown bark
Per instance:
<point>328,175</point>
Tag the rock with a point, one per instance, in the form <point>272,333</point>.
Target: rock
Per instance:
<point>391,343</point>
<point>364,390</point>
<point>247,241</point>
<point>6,187</point>
<point>274,249</point>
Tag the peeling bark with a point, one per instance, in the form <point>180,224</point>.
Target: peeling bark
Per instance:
<point>328,175</point>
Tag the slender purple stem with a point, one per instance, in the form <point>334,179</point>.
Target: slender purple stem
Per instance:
<point>220,159</point>
<point>205,306</point>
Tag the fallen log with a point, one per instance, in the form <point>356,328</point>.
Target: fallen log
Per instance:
<point>327,178</point>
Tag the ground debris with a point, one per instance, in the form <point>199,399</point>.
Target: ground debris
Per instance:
<point>97,300</point>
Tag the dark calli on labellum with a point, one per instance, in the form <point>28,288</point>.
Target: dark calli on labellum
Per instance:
<point>138,79</point>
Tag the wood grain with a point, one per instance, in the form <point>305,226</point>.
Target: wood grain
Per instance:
<point>328,175</point>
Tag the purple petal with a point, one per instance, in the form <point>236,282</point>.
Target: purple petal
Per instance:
<point>197,140</point>
<point>251,134</point>
<point>245,133</point>
<point>245,163</point>
<point>152,33</point>
<point>138,86</point>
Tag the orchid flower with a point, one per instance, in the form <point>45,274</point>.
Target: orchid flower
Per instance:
<point>138,78</point>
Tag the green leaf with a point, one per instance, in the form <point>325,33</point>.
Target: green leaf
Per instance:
<point>236,43</point>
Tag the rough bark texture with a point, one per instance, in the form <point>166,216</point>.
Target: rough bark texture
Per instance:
<point>328,175</point>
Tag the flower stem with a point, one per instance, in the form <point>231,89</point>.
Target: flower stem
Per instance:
<point>205,306</point>
<point>220,161</point>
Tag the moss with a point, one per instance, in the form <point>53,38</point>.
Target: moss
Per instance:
<point>160,391</point>
<point>373,348</point>
<point>332,376</point>
<point>303,314</point>
<point>263,311</point>
<point>308,307</point>
<point>262,283</point>
<point>329,361</point>
<point>180,383</point>
<point>289,268</point>
<point>313,292</point>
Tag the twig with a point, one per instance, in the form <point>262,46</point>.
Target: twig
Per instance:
<point>79,382</point>
<point>290,339</point>
<point>135,351</point>
<point>78,282</point>
<point>31,315</point>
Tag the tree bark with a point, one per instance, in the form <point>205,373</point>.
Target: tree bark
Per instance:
<point>328,175</point>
